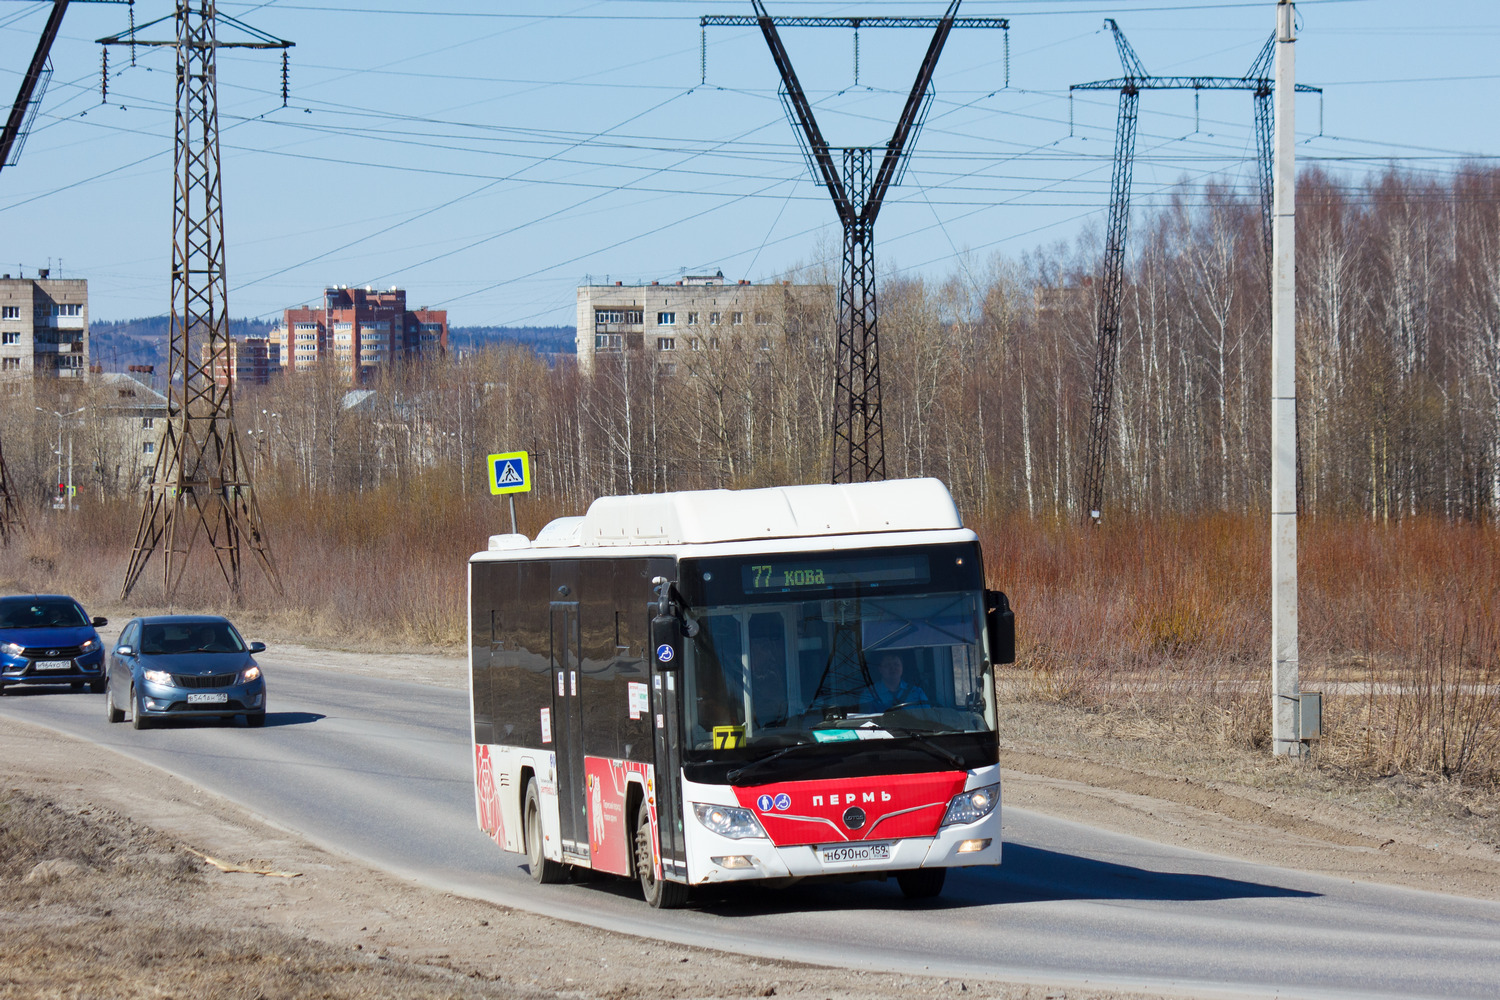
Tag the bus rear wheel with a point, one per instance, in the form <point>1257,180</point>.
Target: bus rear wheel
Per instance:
<point>921,883</point>
<point>543,871</point>
<point>659,893</point>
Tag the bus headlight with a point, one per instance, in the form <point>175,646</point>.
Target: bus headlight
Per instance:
<point>728,821</point>
<point>967,807</point>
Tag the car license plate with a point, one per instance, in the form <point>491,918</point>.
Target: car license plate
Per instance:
<point>215,698</point>
<point>855,852</point>
<point>53,664</point>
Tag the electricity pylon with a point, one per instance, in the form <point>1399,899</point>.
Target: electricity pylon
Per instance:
<point>10,511</point>
<point>1258,81</point>
<point>33,86</point>
<point>858,188</point>
<point>199,483</point>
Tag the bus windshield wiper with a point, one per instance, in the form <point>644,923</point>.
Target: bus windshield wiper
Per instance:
<point>935,749</point>
<point>733,776</point>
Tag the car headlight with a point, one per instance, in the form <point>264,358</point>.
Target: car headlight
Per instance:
<point>158,677</point>
<point>11,648</point>
<point>728,821</point>
<point>249,674</point>
<point>966,807</point>
<point>89,646</point>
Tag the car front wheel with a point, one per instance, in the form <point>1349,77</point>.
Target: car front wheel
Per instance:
<point>111,713</point>
<point>137,719</point>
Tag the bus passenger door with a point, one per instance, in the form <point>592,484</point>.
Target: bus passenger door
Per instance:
<point>666,721</point>
<point>567,715</point>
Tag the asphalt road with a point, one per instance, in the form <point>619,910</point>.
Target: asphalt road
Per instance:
<point>381,770</point>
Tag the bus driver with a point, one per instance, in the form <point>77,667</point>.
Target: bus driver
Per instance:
<point>889,689</point>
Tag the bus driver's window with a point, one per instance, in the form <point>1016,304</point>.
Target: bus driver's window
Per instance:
<point>713,701</point>
<point>768,700</point>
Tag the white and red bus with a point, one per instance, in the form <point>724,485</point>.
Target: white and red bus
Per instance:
<point>728,685</point>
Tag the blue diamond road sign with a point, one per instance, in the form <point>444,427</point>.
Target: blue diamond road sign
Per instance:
<point>510,473</point>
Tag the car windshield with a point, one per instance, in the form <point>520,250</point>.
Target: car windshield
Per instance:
<point>190,637</point>
<point>808,668</point>
<point>41,614</point>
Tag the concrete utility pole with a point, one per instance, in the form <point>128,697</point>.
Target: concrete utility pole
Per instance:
<point>1285,734</point>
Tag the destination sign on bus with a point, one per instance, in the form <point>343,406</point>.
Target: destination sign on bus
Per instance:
<point>783,576</point>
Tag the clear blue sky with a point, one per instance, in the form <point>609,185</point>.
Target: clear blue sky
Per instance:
<point>489,156</point>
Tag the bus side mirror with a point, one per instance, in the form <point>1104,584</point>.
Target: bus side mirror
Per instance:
<point>1000,621</point>
<point>666,641</point>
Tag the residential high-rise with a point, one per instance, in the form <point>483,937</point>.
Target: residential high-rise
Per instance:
<point>44,326</point>
<point>360,330</point>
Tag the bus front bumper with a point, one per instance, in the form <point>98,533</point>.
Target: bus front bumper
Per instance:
<point>719,859</point>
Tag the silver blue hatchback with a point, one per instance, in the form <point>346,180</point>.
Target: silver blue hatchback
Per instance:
<point>184,667</point>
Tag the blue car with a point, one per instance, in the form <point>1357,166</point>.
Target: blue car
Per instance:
<point>184,667</point>
<point>48,639</point>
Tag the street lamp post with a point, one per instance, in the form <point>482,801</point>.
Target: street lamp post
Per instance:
<point>58,451</point>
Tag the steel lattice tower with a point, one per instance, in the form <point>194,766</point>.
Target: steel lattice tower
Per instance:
<point>858,190</point>
<point>858,428</point>
<point>199,484</point>
<point>10,510</point>
<point>1258,81</point>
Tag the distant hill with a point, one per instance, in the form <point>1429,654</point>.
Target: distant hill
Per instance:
<point>543,339</point>
<point>116,344</point>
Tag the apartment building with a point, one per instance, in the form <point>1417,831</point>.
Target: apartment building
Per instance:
<point>700,313</point>
<point>44,326</point>
<point>246,361</point>
<point>361,330</point>
<point>132,419</point>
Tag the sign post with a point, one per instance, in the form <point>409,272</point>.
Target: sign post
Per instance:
<point>510,474</point>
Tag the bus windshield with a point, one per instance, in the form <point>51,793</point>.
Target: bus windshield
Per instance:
<point>822,649</point>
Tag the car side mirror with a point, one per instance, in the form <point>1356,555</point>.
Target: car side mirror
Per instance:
<point>124,651</point>
<point>1000,622</point>
<point>257,647</point>
<point>99,622</point>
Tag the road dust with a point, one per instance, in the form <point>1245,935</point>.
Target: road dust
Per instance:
<point>105,890</point>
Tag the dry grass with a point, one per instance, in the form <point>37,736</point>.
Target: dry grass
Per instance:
<point>1165,619</point>
<point>387,561</point>
<point>1169,621</point>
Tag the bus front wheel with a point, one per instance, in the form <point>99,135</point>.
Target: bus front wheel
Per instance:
<point>543,871</point>
<point>921,883</point>
<point>659,893</point>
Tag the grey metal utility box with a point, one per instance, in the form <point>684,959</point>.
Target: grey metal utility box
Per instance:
<point>1310,715</point>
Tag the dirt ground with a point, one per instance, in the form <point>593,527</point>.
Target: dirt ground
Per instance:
<point>112,880</point>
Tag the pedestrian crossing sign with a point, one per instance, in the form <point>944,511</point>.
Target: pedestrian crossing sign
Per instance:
<point>510,473</point>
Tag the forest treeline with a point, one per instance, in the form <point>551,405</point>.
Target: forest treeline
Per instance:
<point>987,379</point>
